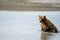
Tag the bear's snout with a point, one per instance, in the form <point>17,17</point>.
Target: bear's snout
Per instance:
<point>42,20</point>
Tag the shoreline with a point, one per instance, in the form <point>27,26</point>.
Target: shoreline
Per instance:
<point>31,9</point>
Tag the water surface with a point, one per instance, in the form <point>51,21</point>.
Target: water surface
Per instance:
<point>15,25</point>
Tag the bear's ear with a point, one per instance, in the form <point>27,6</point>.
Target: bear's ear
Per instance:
<point>39,15</point>
<point>44,17</point>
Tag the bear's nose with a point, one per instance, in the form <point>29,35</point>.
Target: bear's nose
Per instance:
<point>40,21</point>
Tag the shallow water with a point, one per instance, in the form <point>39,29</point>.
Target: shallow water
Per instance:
<point>15,25</point>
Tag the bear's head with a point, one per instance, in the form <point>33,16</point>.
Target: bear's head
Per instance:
<point>42,18</point>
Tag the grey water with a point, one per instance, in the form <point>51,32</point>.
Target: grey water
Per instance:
<point>19,25</point>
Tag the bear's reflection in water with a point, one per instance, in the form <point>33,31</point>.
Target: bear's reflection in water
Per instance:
<point>47,36</point>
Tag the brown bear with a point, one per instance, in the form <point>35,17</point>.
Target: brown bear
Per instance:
<point>47,25</point>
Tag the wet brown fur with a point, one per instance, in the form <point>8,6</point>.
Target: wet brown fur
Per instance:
<point>46,25</point>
